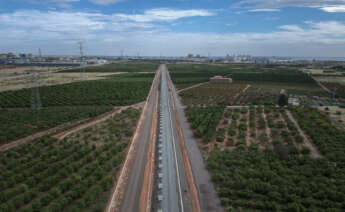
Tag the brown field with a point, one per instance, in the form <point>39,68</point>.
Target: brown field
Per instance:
<point>212,94</point>
<point>51,79</point>
<point>6,71</point>
<point>336,114</point>
<point>336,79</point>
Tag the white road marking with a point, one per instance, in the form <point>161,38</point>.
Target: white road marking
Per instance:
<point>177,168</point>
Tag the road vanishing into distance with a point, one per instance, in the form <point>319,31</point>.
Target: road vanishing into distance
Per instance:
<point>164,169</point>
<point>171,184</point>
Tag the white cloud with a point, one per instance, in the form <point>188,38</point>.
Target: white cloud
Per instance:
<point>325,5</point>
<point>163,14</point>
<point>264,10</point>
<point>334,9</point>
<point>291,28</point>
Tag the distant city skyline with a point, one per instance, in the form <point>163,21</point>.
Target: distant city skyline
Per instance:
<point>305,28</point>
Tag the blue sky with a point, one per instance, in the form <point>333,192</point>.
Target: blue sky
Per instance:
<point>174,27</point>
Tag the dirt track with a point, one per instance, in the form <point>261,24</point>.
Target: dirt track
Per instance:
<point>314,153</point>
<point>66,129</point>
<point>118,110</point>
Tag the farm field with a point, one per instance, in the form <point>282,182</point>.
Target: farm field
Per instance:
<point>336,115</point>
<point>68,102</point>
<point>337,79</point>
<point>268,93</point>
<point>121,67</point>
<point>265,83</point>
<point>11,70</point>
<point>253,128</point>
<point>22,122</point>
<point>340,88</point>
<point>260,181</point>
<point>262,157</point>
<point>48,79</point>
<point>212,94</point>
<point>73,174</point>
<point>328,139</point>
<point>259,161</point>
<point>118,90</point>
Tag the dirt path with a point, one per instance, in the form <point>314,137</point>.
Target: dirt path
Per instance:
<point>321,85</point>
<point>213,141</point>
<point>268,130</point>
<point>235,100</point>
<point>118,110</point>
<point>314,153</point>
<point>65,129</point>
<point>193,86</point>
<point>246,88</point>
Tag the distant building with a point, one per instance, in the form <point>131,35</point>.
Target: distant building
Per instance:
<point>294,101</point>
<point>220,79</point>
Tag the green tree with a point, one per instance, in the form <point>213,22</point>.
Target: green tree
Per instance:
<point>283,100</point>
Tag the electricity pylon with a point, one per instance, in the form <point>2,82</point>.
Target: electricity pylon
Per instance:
<point>82,61</point>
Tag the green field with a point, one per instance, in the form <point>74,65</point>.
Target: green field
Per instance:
<point>68,102</point>
<point>257,157</point>
<point>260,181</point>
<point>117,90</point>
<point>22,122</point>
<point>272,179</point>
<point>265,82</point>
<point>74,174</point>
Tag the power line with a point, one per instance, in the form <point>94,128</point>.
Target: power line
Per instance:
<point>82,61</point>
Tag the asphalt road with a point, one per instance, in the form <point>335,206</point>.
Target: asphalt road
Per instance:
<point>171,188</point>
<point>168,174</point>
<point>208,197</point>
<point>130,201</point>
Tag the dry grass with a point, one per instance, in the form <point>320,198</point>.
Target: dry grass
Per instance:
<point>6,71</point>
<point>335,79</point>
<point>336,114</point>
<point>51,79</point>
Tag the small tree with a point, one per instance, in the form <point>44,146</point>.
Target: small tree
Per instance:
<point>283,100</point>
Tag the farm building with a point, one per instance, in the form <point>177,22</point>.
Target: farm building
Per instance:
<point>294,101</point>
<point>220,79</point>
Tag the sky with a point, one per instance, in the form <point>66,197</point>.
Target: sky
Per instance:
<point>301,28</point>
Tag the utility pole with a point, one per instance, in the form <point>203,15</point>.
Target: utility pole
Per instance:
<point>334,93</point>
<point>82,61</point>
<point>122,53</point>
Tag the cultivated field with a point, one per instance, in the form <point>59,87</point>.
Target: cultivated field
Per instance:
<point>265,84</point>
<point>6,71</point>
<point>336,114</point>
<point>69,102</point>
<point>212,94</point>
<point>262,157</point>
<point>73,174</point>
<point>48,79</point>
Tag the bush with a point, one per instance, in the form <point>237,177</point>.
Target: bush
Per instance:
<point>299,138</point>
<point>305,150</point>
